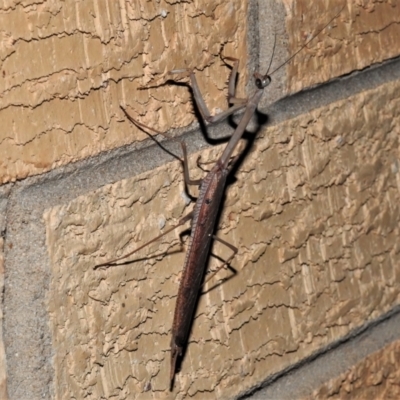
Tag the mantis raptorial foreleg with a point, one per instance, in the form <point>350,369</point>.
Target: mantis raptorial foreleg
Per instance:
<point>205,113</point>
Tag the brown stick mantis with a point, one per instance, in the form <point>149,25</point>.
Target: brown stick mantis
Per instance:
<point>204,214</point>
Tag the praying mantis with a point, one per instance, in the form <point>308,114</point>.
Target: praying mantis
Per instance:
<point>206,209</point>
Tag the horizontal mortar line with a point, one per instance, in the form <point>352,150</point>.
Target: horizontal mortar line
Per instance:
<point>330,362</point>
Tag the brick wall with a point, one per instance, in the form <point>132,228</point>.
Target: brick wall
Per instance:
<point>313,208</point>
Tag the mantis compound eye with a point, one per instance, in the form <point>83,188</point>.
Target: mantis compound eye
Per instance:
<point>262,81</point>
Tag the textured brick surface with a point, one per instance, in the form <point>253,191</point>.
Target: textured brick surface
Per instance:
<point>315,215</point>
<point>364,33</point>
<point>302,380</point>
<point>376,377</point>
<point>87,58</point>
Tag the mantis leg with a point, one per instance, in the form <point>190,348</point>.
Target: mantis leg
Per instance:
<point>146,128</point>
<point>186,174</point>
<point>226,262</point>
<point>113,262</point>
<point>237,103</point>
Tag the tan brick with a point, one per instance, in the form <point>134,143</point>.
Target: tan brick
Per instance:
<point>364,33</point>
<point>66,69</point>
<point>376,377</point>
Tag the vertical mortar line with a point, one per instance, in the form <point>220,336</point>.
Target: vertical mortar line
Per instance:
<point>253,41</point>
<point>5,192</point>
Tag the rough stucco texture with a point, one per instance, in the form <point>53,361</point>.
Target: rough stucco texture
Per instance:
<point>377,377</point>
<point>315,214</point>
<point>364,33</point>
<point>86,58</point>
